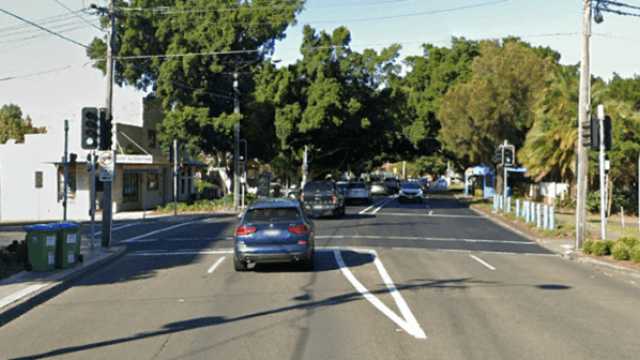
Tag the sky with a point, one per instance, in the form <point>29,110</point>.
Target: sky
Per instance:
<point>54,79</point>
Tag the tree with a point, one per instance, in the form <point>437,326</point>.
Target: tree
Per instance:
<point>334,100</point>
<point>424,86</point>
<point>14,126</point>
<point>495,103</point>
<point>194,82</point>
<point>550,146</point>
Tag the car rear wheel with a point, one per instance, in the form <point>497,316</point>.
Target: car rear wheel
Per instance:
<point>239,265</point>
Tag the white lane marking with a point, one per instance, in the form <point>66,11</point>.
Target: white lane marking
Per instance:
<point>377,237</point>
<point>383,205</point>
<point>408,323</point>
<point>137,238</point>
<point>20,294</point>
<point>459,251</point>
<point>363,211</point>
<point>486,264</point>
<point>431,214</point>
<point>215,265</point>
<point>121,227</point>
<point>181,252</point>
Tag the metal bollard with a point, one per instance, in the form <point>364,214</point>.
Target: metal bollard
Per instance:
<point>525,211</point>
<point>495,203</point>
<point>552,218</point>
<point>545,216</point>
<point>500,203</point>
<point>538,215</point>
<point>532,212</point>
<point>517,207</point>
<point>508,204</point>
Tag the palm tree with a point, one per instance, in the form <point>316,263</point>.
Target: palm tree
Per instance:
<point>550,145</point>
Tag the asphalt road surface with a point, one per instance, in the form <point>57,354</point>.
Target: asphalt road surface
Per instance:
<point>391,281</point>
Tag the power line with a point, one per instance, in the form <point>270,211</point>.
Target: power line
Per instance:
<point>42,21</point>
<point>43,72</point>
<point>413,14</point>
<point>31,31</point>
<point>76,14</point>
<point>35,36</point>
<point>44,28</point>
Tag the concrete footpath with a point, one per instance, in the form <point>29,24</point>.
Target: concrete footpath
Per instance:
<point>25,290</point>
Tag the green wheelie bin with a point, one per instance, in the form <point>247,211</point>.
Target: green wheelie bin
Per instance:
<point>68,244</point>
<point>41,246</point>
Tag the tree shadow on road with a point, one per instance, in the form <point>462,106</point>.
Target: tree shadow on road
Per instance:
<point>209,321</point>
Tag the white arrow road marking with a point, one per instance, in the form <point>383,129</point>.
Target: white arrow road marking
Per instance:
<point>137,238</point>
<point>215,265</point>
<point>408,322</point>
<point>383,205</point>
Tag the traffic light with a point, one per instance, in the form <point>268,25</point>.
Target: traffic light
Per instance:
<point>587,130</point>
<point>106,130</point>
<point>90,128</point>
<point>607,133</point>
<point>507,156</point>
<point>594,133</point>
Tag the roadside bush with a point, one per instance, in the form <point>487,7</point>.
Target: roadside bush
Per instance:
<point>600,248</point>
<point>587,247</point>
<point>635,253</point>
<point>620,251</point>
<point>609,244</point>
<point>629,241</point>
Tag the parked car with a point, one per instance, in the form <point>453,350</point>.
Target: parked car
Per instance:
<point>378,188</point>
<point>343,187</point>
<point>392,185</point>
<point>274,230</point>
<point>410,191</point>
<point>358,192</point>
<point>322,198</point>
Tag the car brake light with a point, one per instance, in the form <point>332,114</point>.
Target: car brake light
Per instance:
<point>299,229</point>
<point>245,230</point>
<point>302,242</point>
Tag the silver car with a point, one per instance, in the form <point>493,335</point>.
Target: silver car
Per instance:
<point>357,191</point>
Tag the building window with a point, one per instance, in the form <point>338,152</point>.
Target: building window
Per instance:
<point>71,189</point>
<point>38,179</point>
<point>153,181</point>
<point>152,139</point>
<point>130,187</point>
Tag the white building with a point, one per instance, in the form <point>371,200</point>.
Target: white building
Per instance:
<point>31,173</point>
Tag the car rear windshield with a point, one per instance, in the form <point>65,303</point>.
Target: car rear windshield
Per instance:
<point>411,186</point>
<point>316,186</point>
<point>271,215</point>
<point>357,186</point>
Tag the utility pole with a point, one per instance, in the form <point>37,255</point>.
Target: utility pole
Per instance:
<point>584,109</point>
<point>236,143</point>
<point>175,177</point>
<point>107,202</point>
<point>603,184</point>
<point>65,164</point>
<point>92,196</point>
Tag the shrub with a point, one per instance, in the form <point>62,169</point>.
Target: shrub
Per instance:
<point>620,251</point>
<point>629,241</point>
<point>587,247</point>
<point>635,253</point>
<point>609,244</point>
<point>600,248</point>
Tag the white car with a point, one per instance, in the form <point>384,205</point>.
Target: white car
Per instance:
<point>357,191</point>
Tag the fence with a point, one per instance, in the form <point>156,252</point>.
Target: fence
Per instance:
<point>541,215</point>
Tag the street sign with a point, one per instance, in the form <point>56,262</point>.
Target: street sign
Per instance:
<point>105,160</point>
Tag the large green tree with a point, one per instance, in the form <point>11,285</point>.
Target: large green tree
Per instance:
<point>496,102</point>
<point>13,125</point>
<point>334,100</point>
<point>199,44</point>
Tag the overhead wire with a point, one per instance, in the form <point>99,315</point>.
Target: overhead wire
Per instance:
<point>68,39</point>
<point>77,15</point>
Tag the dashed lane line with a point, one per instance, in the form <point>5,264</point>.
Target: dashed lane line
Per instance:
<point>421,238</point>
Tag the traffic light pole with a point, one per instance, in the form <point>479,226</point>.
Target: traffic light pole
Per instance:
<point>584,108</point>
<point>107,202</point>
<point>236,143</point>
<point>603,184</point>
<point>65,164</point>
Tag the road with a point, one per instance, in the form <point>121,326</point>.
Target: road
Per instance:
<point>391,281</point>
